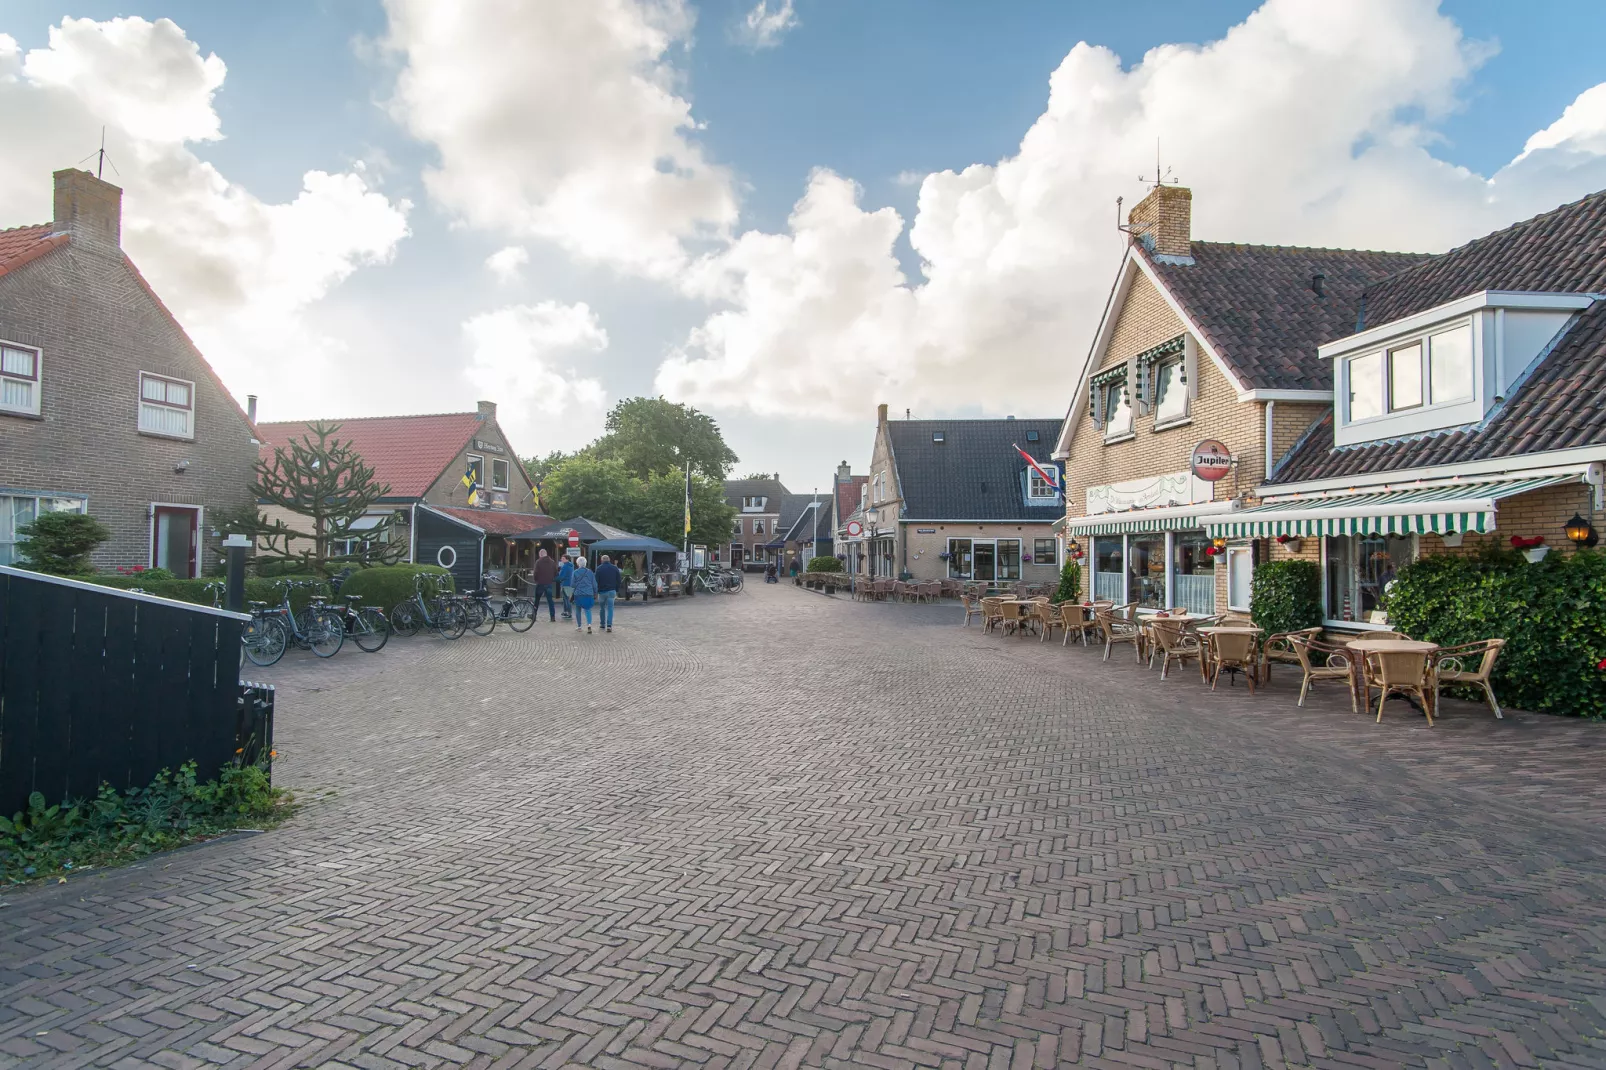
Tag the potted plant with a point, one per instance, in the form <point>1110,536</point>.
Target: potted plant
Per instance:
<point>1531,546</point>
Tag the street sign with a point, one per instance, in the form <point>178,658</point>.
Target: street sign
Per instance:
<point>574,539</point>
<point>855,529</point>
<point>1211,460</point>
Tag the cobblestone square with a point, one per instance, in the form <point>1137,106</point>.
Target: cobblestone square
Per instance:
<point>780,830</point>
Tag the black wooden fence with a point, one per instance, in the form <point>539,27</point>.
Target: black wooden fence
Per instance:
<point>99,685</point>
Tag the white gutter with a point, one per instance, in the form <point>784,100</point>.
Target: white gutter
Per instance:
<point>1271,452</point>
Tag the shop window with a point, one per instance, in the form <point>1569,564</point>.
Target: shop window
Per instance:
<point>1109,575</point>
<point>1240,577</point>
<point>1146,571</point>
<point>1045,552</point>
<point>960,560</point>
<point>1009,559</point>
<point>1357,571</point>
<point>1194,573</point>
<point>1170,393</point>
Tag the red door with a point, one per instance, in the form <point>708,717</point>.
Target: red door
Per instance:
<point>175,537</point>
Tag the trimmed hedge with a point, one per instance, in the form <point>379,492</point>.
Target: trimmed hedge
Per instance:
<point>1286,596</point>
<point>387,586</point>
<point>1552,614</point>
<point>165,585</point>
<point>824,564</point>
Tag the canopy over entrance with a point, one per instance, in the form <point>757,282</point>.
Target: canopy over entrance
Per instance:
<point>1443,510</point>
<point>632,544</point>
<point>590,531</point>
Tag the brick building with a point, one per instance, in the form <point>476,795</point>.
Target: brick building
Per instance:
<point>1466,409</point>
<point>424,459</point>
<point>953,499</point>
<point>1200,340</point>
<point>106,406</point>
<point>755,540</point>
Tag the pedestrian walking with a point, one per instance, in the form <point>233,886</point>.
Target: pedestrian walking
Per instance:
<point>609,579</point>
<point>545,575</point>
<point>584,586</point>
<point>566,585</point>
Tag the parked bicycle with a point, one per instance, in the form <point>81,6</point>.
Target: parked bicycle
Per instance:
<point>717,581</point>
<point>318,626</point>
<point>366,625</point>
<point>516,611</point>
<point>263,638</point>
<point>443,613</point>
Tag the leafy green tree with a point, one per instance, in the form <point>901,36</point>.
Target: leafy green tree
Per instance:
<point>661,510</point>
<point>538,468</point>
<point>324,480</point>
<point>649,435</point>
<point>600,490</point>
<point>60,543</point>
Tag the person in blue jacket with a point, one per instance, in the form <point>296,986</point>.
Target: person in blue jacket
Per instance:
<point>566,585</point>
<point>608,580</point>
<point>585,592</point>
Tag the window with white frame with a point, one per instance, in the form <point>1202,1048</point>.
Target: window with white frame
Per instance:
<point>736,529</point>
<point>1357,572</point>
<point>1170,393</point>
<point>1240,577</point>
<point>19,379</point>
<point>1045,552</point>
<point>1431,369</point>
<point>758,527</point>
<point>1039,489</point>
<point>166,406</point>
<point>1117,409</point>
<point>498,474</point>
<point>20,510</point>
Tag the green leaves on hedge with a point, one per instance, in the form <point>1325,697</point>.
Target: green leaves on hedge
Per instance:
<point>1285,596</point>
<point>387,586</point>
<point>1552,614</point>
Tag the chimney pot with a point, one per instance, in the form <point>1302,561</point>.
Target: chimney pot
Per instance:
<point>487,410</point>
<point>251,407</point>
<point>1163,220</point>
<point>881,414</point>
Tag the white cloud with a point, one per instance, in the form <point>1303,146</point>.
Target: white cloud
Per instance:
<point>507,263</point>
<point>763,28</point>
<point>1309,123</point>
<point>239,272</point>
<point>526,356</point>
<point>562,121</point>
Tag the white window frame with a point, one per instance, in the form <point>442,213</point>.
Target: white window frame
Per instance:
<point>37,381</point>
<point>506,473</point>
<point>142,401</point>
<point>1239,557</point>
<point>1155,369</point>
<point>8,495</point>
<point>1430,404</point>
<point>1105,409</point>
<point>469,459</point>
<point>1355,625</point>
<point>1033,478</point>
<point>758,527</point>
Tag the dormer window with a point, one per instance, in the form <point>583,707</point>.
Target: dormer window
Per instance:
<point>938,436</point>
<point>1429,370</point>
<point>753,504</point>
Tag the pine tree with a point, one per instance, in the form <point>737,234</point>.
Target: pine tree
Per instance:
<point>323,479</point>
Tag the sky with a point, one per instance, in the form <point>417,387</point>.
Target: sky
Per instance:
<point>781,212</point>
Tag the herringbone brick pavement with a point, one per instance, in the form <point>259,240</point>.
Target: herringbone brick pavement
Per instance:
<point>780,830</point>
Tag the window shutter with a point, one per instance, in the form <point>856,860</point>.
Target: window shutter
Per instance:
<point>1190,365</point>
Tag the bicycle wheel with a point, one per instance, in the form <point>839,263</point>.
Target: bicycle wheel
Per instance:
<point>370,630</point>
<point>733,582</point>
<point>404,619</point>
<point>263,639</point>
<point>521,614</point>
<point>450,621</point>
<point>481,617</point>
<point>325,631</point>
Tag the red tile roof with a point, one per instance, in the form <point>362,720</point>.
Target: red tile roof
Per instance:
<point>848,495</point>
<point>496,521</point>
<point>408,452</point>
<point>19,245</point>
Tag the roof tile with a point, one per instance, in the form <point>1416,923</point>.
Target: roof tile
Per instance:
<point>408,452</point>
<point>974,473</point>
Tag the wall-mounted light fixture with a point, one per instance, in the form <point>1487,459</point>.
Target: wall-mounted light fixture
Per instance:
<point>1582,532</point>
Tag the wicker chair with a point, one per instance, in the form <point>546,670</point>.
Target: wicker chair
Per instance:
<point>1280,647</point>
<point>1076,620</point>
<point>1319,661</point>
<point>1172,642</point>
<point>1117,629</point>
<point>1233,650</point>
<point>1450,667</point>
<point>1401,672</point>
<point>992,614</point>
<point>971,606</point>
<point>1047,616</point>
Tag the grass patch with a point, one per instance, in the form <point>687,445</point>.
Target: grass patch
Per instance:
<point>46,842</point>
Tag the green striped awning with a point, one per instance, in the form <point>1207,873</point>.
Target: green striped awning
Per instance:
<point>1459,507</point>
<point>1179,518</point>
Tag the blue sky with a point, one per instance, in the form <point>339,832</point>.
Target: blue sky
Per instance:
<point>881,94</point>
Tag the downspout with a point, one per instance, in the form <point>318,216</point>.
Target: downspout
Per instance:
<point>1271,453</point>
<point>412,534</point>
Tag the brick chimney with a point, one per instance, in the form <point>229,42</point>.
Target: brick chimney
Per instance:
<point>844,473</point>
<point>1163,220</point>
<point>88,209</point>
<point>881,414</point>
<point>487,411</point>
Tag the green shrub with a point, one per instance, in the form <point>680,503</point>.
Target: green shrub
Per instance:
<point>1070,588</point>
<point>114,827</point>
<point>1286,596</point>
<point>1552,614</point>
<point>60,543</point>
<point>164,584</point>
<point>824,564</point>
<point>387,586</point>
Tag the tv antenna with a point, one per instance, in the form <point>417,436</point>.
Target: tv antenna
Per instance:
<point>101,159</point>
<point>1161,176</point>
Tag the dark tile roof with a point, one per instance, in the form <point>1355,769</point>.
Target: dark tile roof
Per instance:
<point>1560,406</point>
<point>1255,305</point>
<point>800,528</point>
<point>1561,251</point>
<point>975,473</point>
<point>773,489</point>
<point>792,507</point>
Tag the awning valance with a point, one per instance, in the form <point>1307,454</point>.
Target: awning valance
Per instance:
<point>1172,518</point>
<point>1458,507</point>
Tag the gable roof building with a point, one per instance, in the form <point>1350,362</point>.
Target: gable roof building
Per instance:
<point>759,530</point>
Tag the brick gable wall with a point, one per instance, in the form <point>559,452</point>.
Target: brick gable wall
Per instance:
<point>97,328</point>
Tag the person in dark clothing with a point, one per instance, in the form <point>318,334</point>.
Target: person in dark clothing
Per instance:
<point>609,579</point>
<point>546,576</point>
<point>566,584</point>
